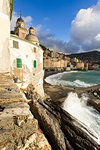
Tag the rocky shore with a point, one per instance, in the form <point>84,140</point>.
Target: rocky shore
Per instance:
<point>19,130</point>
<point>62,130</point>
<point>59,93</point>
<point>70,128</point>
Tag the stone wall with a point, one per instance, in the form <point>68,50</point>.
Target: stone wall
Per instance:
<point>19,130</point>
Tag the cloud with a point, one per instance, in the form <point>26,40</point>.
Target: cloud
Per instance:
<point>15,16</point>
<point>85,30</point>
<point>48,39</point>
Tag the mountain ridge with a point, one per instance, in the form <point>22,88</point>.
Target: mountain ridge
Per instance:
<point>92,56</point>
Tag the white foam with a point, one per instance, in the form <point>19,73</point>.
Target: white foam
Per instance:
<point>89,117</point>
<point>55,80</point>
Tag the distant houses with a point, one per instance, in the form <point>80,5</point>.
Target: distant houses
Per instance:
<point>55,61</point>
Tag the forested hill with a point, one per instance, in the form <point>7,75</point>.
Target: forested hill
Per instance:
<point>93,56</point>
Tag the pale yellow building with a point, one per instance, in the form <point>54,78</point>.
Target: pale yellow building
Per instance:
<point>80,65</point>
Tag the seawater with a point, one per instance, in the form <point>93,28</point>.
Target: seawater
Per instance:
<point>75,79</point>
<point>76,106</point>
<point>87,115</point>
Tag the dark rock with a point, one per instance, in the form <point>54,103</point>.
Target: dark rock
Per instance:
<point>62,130</point>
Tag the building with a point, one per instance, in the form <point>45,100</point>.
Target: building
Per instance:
<point>80,66</point>
<point>26,56</point>
<point>5,15</point>
<point>86,66</point>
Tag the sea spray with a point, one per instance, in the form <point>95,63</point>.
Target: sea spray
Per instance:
<point>87,115</point>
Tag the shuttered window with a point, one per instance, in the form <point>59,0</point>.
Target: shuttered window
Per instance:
<point>34,49</point>
<point>34,63</point>
<point>19,63</point>
<point>15,44</point>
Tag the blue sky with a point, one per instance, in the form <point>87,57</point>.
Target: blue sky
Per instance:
<point>56,16</point>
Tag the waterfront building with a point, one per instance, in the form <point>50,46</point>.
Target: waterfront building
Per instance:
<point>57,55</point>
<point>80,65</point>
<point>86,67</point>
<point>75,60</point>
<point>26,56</point>
<point>65,63</point>
<point>46,52</point>
<point>5,15</point>
<point>53,62</point>
<point>47,63</point>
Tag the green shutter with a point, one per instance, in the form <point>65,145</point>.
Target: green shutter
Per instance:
<point>34,63</point>
<point>19,63</point>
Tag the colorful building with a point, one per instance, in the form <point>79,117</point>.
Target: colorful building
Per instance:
<point>80,66</point>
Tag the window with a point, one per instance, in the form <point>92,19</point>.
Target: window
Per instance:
<point>19,63</point>
<point>34,49</point>
<point>26,56</point>
<point>34,63</point>
<point>15,44</point>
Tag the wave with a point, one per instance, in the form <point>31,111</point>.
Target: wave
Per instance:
<point>87,115</point>
<point>56,80</point>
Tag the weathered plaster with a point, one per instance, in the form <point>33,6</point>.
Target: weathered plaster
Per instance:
<point>4,35</point>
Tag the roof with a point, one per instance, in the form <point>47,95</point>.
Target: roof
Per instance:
<point>32,37</point>
<point>20,19</point>
<point>14,36</point>
<point>31,28</point>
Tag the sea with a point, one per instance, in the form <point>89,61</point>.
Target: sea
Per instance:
<point>75,79</point>
<point>77,107</point>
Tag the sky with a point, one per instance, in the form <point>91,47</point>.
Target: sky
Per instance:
<point>67,26</point>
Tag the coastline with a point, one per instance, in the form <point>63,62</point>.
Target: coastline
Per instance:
<point>58,93</point>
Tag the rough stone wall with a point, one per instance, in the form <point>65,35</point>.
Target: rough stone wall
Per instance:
<point>4,35</point>
<point>19,129</point>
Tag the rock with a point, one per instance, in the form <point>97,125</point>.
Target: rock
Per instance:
<point>62,130</point>
<point>95,94</point>
<point>50,126</point>
<point>4,144</point>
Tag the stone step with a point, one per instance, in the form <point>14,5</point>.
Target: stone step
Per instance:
<point>10,100</point>
<point>10,95</point>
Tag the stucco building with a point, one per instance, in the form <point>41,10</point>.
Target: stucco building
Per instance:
<point>26,56</point>
<point>80,66</point>
<point>5,11</point>
<point>20,53</point>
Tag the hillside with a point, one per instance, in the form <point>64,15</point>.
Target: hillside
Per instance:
<point>93,56</point>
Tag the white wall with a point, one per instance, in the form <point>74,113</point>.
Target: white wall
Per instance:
<point>27,54</point>
<point>4,35</point>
